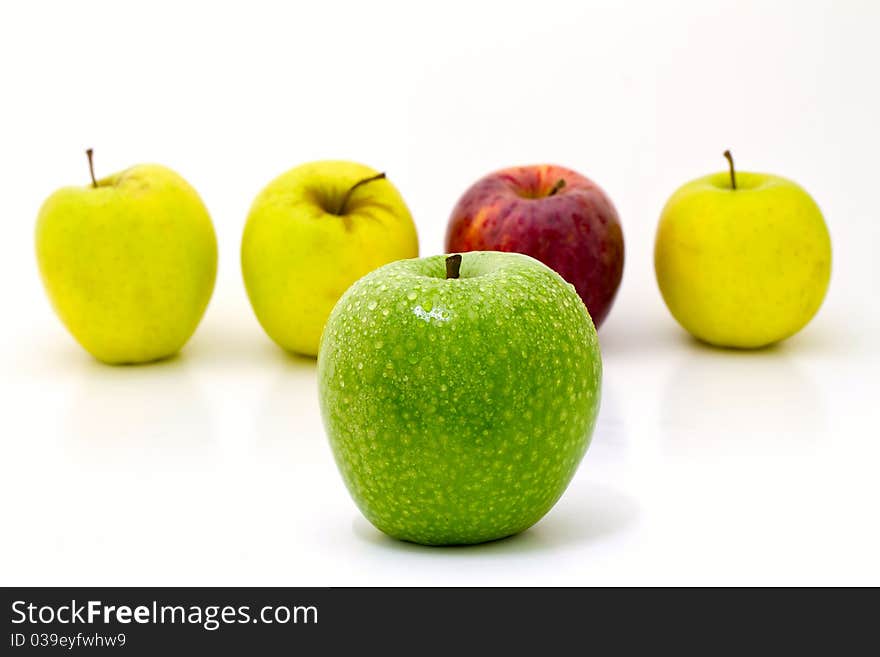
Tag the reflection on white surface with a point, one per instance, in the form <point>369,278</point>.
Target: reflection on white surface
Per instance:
<point>610,433</point>
<point>287,420</point>
<point>724,402</point>
<point>137,415</point>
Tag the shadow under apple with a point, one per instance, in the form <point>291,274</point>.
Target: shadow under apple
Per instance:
<point>598,513</point>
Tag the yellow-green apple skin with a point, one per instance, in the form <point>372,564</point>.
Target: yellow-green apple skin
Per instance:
<point>129,265</point>
<point>742,267</point>
<point>299,252</point>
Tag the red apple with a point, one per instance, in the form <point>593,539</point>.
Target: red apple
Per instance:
<point>553,214</point>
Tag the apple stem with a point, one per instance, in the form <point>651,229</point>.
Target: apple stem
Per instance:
<point>347,197</point>
<point>559,185</point>
<point>91,168</point>
<point>732,170</point>
<point>453,265</point>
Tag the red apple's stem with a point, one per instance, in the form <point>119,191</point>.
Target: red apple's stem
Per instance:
<point>559,185</point>
<point>453,265</point>
<point>91,168</point>
<point>732,170</point>
<point>347,197</point>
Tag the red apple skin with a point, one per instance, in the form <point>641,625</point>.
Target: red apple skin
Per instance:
<point>575,231</point>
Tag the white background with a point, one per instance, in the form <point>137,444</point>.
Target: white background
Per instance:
<point>706,466</point>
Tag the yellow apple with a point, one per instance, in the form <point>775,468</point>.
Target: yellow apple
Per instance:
<point>742,259</point>
<point>128,262</point>
<point>310,234</point>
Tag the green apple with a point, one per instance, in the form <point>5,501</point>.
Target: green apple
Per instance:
<point>742,259</point>
<point>310,234</point>
<point>128,262</point>
<point>458,407</point>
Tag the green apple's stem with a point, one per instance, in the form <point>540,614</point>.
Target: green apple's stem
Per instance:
<point>91,168</point>
<point>347,197</point>
<point>732,170</point>
<point>453,265</point>
<point>559,185</point>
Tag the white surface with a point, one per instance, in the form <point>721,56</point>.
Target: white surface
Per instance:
<point>706,466</point>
